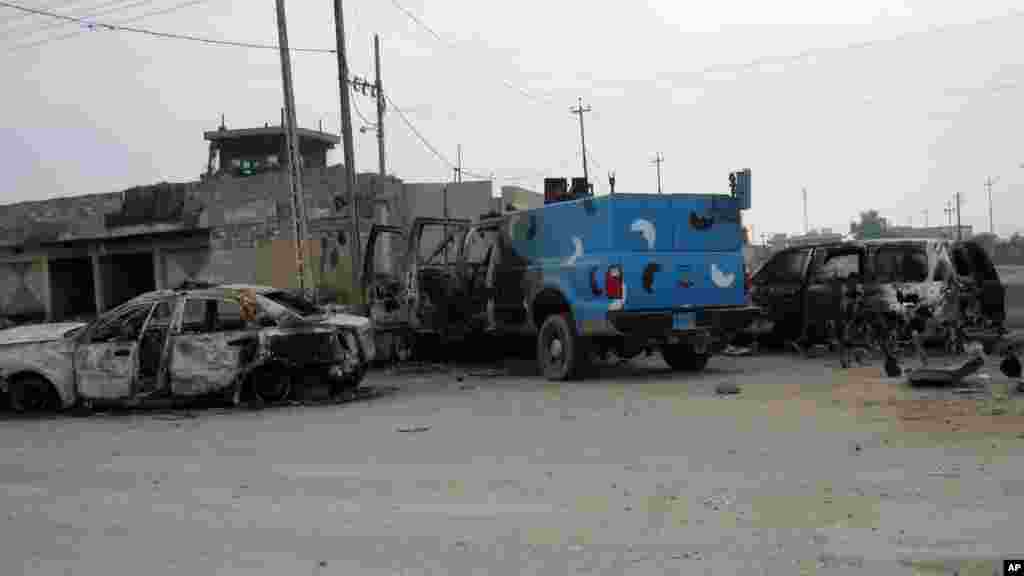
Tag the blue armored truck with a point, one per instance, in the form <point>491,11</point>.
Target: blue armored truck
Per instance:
<point>585,275</point>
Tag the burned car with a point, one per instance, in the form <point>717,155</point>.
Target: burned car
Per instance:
<point>935,288</point>
<point>238,343</point>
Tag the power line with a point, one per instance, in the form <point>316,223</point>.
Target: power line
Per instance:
<point>419,22</point>
<point>433,149</point>
<point>120,28</point>
<point>807,53</point>
<point>103,9</point>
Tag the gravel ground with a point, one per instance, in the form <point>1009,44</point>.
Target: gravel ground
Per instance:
<point>809,469</point>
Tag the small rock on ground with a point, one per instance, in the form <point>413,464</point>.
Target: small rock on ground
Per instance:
<point>727,388</point>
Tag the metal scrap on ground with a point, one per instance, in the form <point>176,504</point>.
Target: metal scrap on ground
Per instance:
<point>952,374</point>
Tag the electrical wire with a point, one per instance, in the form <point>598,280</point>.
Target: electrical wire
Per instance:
<point>104,9</point>
<point>121,28</point>
<point>419,22</point>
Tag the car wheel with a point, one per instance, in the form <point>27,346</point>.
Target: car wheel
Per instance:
<point>684,357</point>
<point>270,385</point>
<point>31,393</point>
<point>560,352</point>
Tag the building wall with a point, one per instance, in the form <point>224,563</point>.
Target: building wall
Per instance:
<point>520,198</point>
<point>244,228</point>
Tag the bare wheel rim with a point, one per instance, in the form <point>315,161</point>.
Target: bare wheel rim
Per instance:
<point>553,349</point>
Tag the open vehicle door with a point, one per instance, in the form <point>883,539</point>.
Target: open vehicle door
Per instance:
<point>431,278</point>
<point>107,355</point>
<point>974,265</point>
<point>384,280</point>
<point>830,265</point>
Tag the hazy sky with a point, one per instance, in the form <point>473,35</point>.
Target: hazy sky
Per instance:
<point>931,105</point>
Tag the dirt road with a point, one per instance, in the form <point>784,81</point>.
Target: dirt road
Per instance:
<point>808,470</point>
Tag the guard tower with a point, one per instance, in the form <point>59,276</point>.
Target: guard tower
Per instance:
<point>247,151</point>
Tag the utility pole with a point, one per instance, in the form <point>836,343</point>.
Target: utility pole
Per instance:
<point>579,111</point>
<point>355,242</point>
<point>380,106</point>
<point>291,140</point>
<point>989,182</point>
<point>458,170</point>
<point>658,159</point>
<point>806,227</point>
<point>925,214</point>
<point>948,210</point>
<point>959,229</point>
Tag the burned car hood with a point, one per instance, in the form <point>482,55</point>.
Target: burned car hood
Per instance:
<point>37,333</point>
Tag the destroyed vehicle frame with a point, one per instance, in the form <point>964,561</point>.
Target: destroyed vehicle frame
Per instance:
<point>935,287</point>
<point>230,343</point>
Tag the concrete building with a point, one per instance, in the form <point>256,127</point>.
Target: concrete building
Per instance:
<point>76,256</point>
<point>517,198</point>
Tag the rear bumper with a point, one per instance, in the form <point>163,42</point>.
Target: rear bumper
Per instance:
<point>652,323</point>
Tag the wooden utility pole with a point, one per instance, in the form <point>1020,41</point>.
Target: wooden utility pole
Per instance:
<point>458,169</point>
<point>380,105</point>
<point>658,159</point>
<point>291,140</point>
<point>355,242</point>
<point>579,111</point>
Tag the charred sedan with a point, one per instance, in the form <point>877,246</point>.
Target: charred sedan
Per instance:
<point>232,342</point>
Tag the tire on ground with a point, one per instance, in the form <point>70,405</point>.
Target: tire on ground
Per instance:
<point>269,384</point>
<point>32,393</point>
<point>684,357</point>
<point>561,353</point>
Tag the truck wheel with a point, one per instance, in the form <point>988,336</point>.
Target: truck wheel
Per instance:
<point>560,352</point>
<point>684,357</point>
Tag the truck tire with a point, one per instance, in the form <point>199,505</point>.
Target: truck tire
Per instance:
<point>561,352</point>
<point>683,357</point>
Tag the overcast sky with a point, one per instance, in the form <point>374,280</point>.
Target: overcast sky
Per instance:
<point>930,105</point>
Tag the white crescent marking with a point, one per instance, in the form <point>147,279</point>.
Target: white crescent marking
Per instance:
<point>646,229</point>
<point>577,251</point>
<point>721,279</point>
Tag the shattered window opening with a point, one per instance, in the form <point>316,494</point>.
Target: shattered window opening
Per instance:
<point>126,324</point>
<point>901,264</point>
<point>842,266</point>
<point>208,315</point>
<point>786,267</point>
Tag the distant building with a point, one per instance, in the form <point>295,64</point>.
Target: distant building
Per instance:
<point>76,256</point>
<point>249,151</point>
<point>967,231</point>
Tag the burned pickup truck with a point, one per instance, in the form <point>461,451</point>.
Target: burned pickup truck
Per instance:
<point>941,290</point>
<point>584,276</point>
<point>236,343</point>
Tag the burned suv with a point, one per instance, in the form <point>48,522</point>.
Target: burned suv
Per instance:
<point>935,287</point>
<point>235,342</point>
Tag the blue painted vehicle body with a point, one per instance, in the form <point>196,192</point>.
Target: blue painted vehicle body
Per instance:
<point>677,253</point>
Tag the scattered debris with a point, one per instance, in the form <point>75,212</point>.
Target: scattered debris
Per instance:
<point>488,373</point>
<point>1010,366</point>
<point>892,367</point>
<point>726,388</point>
<point>468,387</point>
<point>946,375</point>
<point>323,563</point>
<point>737,351</point>
<point>414,429</point>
